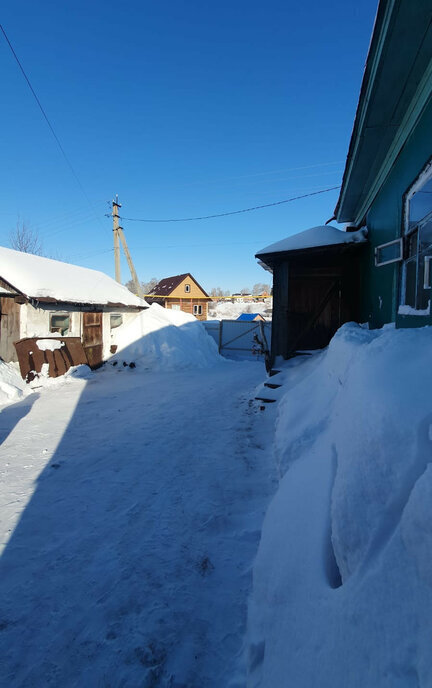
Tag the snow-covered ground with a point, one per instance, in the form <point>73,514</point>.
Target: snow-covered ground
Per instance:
<point>343,578</point>
<point>226,310</point>
<point>131,506</point>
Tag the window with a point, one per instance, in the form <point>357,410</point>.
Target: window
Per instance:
<point>116,319</point>
<point>197,310</point>
<point>187,288</point>
<point>60,323</point>
<point>417,247</point>
<point>175,307</point>
<point>388,253</point>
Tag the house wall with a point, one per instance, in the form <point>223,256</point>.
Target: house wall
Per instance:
<point>186,305</point>
<point>380,289</point>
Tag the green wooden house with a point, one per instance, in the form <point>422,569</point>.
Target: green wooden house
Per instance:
<point>386,193</point>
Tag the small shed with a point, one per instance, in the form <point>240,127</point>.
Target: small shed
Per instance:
<point>181,293</point>
<point>250,317</point>
<point>45,298</point>
<point>316,285</point>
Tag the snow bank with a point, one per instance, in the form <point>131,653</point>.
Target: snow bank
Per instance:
<point>164,339</point>
<point>343,577</point>
<point>12,386</point>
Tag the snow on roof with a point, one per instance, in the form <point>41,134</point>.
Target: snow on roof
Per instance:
<point>6,291</point>
<point>44,278</point>
<point>324,235</point>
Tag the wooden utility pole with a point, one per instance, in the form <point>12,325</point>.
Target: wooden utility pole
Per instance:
<point>119,236</point>
<point>116,205</point>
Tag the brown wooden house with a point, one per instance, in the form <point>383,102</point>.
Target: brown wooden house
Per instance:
<point>181,293</point>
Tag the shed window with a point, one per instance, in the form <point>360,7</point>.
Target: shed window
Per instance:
<point>197,310</point>
<point>187,288</point>
<point>60,323</point>
<point>116,319</point>
<point>417,247</point>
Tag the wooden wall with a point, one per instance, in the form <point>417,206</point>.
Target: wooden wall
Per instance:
<point>187,304</point>
<point>9,328</point>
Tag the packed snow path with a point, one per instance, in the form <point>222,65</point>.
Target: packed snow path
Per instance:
<point>131,506</point>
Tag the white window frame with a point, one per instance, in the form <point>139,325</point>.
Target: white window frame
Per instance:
<point>379,263</point>
<point>421,180</point>
<point>197,309</point>
<point>61,314</point>
<point>187,288</point>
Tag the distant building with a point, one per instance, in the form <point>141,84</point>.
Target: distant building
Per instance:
<point>250,317</point>
<point>181,293</point>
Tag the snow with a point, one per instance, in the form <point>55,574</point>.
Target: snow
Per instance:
<point>49,344</point>
<point>130,507</point>
<point>325,235</point>
<point>343,577</point>
<point>38,278</point>
<point>12,386</point>
<point>163,339</point>
<point>226,310</point>
<point>409,310</point>
<point>136,503</point>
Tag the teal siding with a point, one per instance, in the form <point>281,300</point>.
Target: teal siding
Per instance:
<point>379,298</point>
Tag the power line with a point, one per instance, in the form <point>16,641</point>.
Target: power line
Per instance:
<point>63,152</point>
<point>233,212</point>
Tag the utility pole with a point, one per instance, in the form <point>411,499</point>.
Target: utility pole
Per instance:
<point>116,205</point>
<point>119,236</point>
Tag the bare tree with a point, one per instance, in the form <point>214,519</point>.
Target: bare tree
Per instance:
<point>146,286</point>
<point>245,290</point>
<point>25,239</point>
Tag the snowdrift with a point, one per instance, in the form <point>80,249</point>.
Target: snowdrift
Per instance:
<point>343,577</point>
<point>164,339</point>
<point>12,386</point>
<point>230,311</point>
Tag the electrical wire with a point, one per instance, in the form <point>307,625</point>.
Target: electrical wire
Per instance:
<point>63,152</point>
<point>233,212</point>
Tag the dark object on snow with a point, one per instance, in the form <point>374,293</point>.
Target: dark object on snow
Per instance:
<point>114,363</point>
<point>132,365</point>
<point>31,358</point>
<point>125,364</point>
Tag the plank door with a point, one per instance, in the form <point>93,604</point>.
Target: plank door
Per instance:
<point>92,338</point>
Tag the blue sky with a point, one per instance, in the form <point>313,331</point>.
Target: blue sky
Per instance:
<point>182,109</point>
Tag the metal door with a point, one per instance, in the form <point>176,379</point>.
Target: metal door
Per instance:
<point>92,338</point>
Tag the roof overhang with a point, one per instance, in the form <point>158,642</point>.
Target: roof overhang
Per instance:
<point>270,260</point>
<point>396,87</point>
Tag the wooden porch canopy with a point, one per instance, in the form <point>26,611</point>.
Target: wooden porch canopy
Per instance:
<point>315,286</point>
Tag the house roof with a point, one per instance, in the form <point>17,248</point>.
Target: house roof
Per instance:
<point>397,85</point>
<point>316,237</point>
<point>167,285</point>
<point>50,280</point>
<point>249,316</point>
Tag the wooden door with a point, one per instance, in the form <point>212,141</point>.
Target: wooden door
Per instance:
<point>92,338</point>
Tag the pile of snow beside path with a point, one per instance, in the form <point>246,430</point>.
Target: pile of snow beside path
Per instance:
<point>159,338</point>
<point>12,386</point>
<point>343,577</point>
<point>225,310</point>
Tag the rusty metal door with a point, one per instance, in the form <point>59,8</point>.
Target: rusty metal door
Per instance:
<point>92,338</point>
